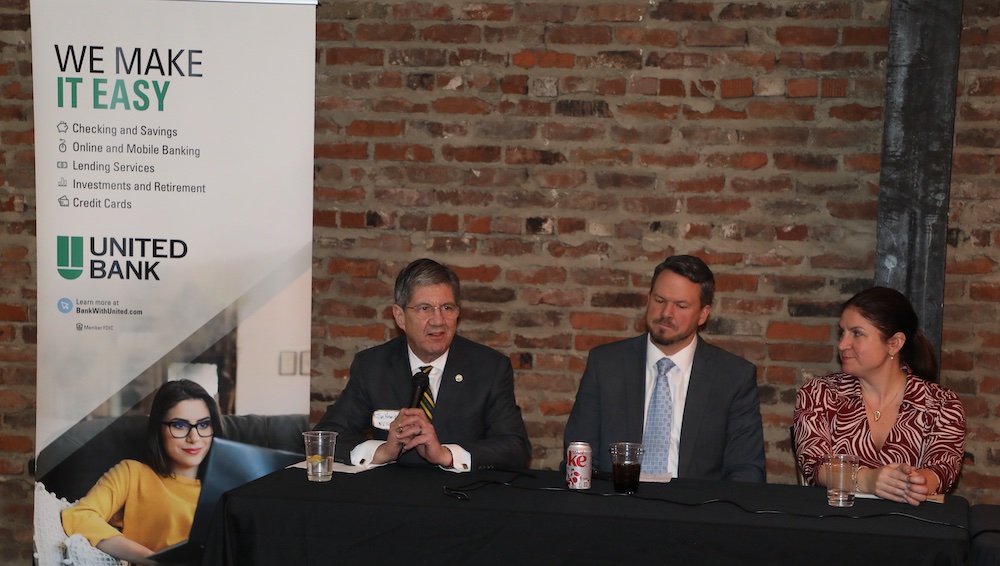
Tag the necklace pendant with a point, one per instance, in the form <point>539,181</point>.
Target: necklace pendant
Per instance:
<point>877,415</point>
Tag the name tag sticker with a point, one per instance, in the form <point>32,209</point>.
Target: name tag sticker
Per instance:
<point>382,418</point>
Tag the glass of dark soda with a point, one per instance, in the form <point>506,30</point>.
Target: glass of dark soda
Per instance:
<point>626,462</point>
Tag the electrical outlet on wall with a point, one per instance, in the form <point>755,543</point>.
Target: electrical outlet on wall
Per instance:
<point>287,363</point>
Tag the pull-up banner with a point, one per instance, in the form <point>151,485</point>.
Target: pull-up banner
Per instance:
<point>174,157</point>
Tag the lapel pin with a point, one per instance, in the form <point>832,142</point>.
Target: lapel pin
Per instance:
<point>459,378</point>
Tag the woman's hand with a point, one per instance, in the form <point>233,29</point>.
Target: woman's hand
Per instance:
<point>895,482</point>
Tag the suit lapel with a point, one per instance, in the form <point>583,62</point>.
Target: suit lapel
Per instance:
<point>633,366</point>
<point>448,387</point>
<point>399,368</point>
<point>699,388</point>
<point>445,389</point>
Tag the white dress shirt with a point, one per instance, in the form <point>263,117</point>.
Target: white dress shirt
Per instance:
<point>678,377</point>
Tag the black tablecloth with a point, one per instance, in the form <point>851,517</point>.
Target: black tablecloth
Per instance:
<point>984,532</point>
<point>429,516</point>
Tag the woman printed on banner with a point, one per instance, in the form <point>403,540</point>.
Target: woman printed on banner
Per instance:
<point>138,508</point>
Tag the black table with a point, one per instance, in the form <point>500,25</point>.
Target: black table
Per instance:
<point>984,534</point>
<point>429,516</point>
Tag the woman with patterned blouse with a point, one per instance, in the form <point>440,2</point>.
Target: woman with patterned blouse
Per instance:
<point>908,433</point>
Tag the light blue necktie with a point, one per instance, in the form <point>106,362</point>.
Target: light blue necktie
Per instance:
<point>656,435</point>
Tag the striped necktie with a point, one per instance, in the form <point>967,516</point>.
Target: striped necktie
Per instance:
<point>427,401</point>
<point>656,435</point>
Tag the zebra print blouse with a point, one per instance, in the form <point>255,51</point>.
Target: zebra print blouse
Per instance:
<point>928,433</point>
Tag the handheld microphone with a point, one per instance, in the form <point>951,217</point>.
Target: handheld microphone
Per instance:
<point>421,383</point>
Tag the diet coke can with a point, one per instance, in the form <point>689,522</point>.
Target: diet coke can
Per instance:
<point>579,465</point>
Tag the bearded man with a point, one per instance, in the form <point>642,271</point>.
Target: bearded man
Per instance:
<point>693,405</point>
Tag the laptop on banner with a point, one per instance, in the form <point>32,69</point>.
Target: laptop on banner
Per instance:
<point>230,465</point>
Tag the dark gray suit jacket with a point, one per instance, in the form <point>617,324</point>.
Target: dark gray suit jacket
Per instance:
<point>477,412</point>
<point>721,434</point>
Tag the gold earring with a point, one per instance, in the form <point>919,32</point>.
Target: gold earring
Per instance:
<point>892,356</point>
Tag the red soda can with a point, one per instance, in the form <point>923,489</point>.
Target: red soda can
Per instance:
<point>579,465</point>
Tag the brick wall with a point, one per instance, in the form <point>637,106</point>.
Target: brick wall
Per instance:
<point>971,355</point>
<point>553,154</point>
<point>17,284</point>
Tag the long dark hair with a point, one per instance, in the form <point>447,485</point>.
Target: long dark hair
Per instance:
<point>890,312</point>
<point>169,394</point>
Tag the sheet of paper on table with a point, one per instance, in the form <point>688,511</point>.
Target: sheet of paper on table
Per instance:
<point>936,498</point>
<point>654,478</point>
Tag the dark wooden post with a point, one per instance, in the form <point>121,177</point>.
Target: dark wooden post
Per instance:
<point>915,179</point>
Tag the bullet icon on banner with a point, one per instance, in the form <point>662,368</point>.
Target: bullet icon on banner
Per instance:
<point>62,181</point>
<point>64,201</point>
<point>62,127</point>
<point>62,146</point>
<point>61,164</point>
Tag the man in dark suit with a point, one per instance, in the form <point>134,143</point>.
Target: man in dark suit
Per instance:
<point>710,404</point>
<point>471,421</point>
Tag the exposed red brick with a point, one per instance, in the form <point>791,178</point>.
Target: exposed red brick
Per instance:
<point>614,13</point>
<point>714,36</point>
<point>806,36</point>
<point>547,12</point>
<point>13,313</point>
<point>721,206</point>
<point>403,152</point>
<point>793,331</point>
<point>451,33</point>
<point>370,128</point>
<point>416,11</point>
<point>456,105</point>
<point>980,265</point>
<point>682,11</point>
<point>477,154</point>
<point>736,88</point>
<point>730,282</point>
<point>342,151</point>
<point>799,352</point>
<point>331,31</point>
<point>581,35</point>
<point>355,56</point>
<point>803,88</point>
<point>599,321</point>
<point>487,12</point>
<point>780,110</point>
<point>981,292</point>
<point>856,113</point>
<point>706,185</point>
<point>646,36</point>
<point>543,59</point>
<point>871,36</point>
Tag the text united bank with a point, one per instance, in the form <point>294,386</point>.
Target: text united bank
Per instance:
<point>116,258</point>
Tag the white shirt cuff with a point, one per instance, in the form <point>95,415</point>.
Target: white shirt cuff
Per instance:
<point>363,453</point>
<point>461,459</point>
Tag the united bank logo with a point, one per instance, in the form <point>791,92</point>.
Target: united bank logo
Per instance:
<point>125,258</point>
<point>69,256</point>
